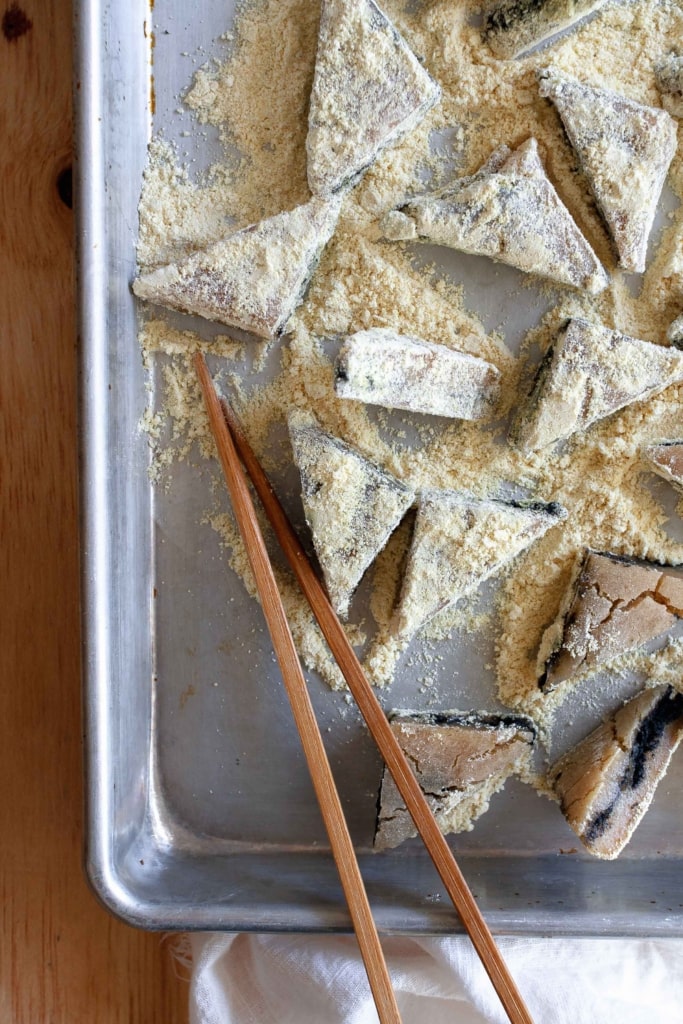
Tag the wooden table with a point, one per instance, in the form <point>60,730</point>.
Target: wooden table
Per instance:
<point>62,958</point>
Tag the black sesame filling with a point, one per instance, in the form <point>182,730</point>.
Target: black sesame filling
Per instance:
<point>667,710</point>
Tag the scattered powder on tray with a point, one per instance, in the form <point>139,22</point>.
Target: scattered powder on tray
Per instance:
<point>258,98</point>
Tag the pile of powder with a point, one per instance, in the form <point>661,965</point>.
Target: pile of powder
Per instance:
<point>258,99</point>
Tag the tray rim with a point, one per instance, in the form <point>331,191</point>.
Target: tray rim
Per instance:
<point>106,880</point>
<point>95,553</point>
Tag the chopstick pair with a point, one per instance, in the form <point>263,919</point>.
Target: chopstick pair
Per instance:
<point>230,441</point>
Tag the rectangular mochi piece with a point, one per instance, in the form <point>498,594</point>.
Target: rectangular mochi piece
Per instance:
<point>508,211</point>
<point>460,760</point>
<point>606,783</point>
<point>352,506</point>
<point>666,459</point>
<point>253,279</point>
<point>614,605</point>
<point>458,542</point>
<point>624,149</point>
<point>590,372</point>
<point>381,367</point>
<point>369,89</point>
<point>512,27</point>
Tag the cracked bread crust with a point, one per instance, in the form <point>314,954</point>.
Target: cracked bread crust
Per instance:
<point>616,605</point>
<point>460,760</point>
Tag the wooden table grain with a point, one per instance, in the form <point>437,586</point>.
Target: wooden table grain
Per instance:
<point>62,957</point>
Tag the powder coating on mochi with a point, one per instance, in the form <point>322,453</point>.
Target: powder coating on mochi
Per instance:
<point>588,373</point>
<point>351,505</point>
<point>512,27</point>
<point>613,605</point>
<point>381,367</point>
<point>510,212</point>
<point>606,783</point>
<point>666,459</point>
<point>624,149</point>
<point>669,76</point>
<point>460,760</point>
<point>253,279</point>
<point>369,89</point>
<point>458,542</point>
<point>674,332</point>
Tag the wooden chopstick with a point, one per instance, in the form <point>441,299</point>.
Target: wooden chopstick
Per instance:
<point>304,716</point>
<point>381,732</point>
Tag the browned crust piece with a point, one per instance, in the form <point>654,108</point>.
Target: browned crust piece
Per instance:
<point>606,783</point>
<point>459,759</point>
<point>616,605</point>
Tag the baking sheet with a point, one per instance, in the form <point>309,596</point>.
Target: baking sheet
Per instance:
<point>200,812</point>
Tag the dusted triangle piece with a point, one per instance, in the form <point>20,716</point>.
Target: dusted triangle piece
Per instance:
<point>514,26</point>
<point>459,542</point>
<point>253,279</point>
<point>509,211</point>
<point>369,89</point>
<point>460,760</point>
<point>588,373</point>
<point>614,605</point>
<point>624,149</point>
<point>607,782</point>
<point>352,506</point>
<point>381,367</point>
<point>667,460</point>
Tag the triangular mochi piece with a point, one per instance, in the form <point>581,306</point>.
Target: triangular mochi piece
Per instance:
<point>624,149</point>
<point>253,279</point>
<point>459,759</point>
<point>588,373</point>
<point>352,506</point>
<point>514,26</point>
<point>613,606</point>
<point>459,542</point>
<point>606,783</point>
<point>369,89</point>
<point>667,460</point>
<point>509,211</point>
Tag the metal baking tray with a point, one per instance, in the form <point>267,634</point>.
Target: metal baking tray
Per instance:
<point>200,814</point>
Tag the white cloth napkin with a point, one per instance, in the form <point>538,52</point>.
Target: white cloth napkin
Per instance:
<point>320,979</point>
